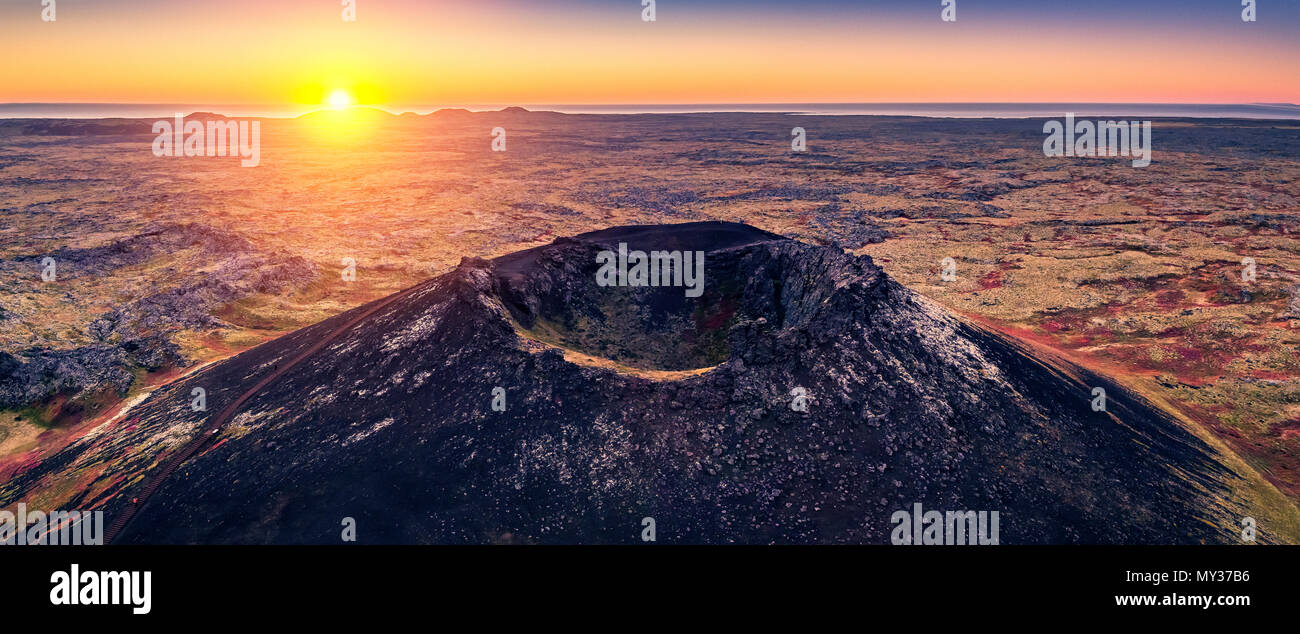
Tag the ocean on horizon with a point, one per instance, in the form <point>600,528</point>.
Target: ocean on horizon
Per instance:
<point>941,110</point>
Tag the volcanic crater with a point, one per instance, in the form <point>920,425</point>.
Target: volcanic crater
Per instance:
<point>622,403</point>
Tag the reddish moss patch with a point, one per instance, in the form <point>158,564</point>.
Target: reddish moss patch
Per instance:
<point>1170,299</point>
<point>725,311</point>
<point>1288,430</point>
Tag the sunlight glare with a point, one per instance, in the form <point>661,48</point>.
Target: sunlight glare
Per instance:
<point>339,99</point>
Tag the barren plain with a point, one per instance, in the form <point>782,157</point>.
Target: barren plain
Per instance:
<point>165,263</point>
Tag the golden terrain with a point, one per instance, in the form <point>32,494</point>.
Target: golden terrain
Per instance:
<point>1135,272</point>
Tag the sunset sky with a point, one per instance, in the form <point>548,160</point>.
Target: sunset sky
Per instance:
<point>409,52</point>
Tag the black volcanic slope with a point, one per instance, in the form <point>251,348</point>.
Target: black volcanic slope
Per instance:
<point>673,408</point>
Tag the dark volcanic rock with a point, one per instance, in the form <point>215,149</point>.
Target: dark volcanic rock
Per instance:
<point>848,230</point>
<point>391,423</point>
<point>191,305</point>
<point>40,374</point>
<point>136,334</point>
<point>44,373</point>
<point>1276,222</point>
<point>139,248</point>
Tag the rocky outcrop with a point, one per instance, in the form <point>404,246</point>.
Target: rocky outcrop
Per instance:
<point>137,335</point>
<point>190,306</point>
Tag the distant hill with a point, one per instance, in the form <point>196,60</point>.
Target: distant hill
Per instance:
<point>355,113</point>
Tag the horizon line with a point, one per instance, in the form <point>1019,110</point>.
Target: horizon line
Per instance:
<point>923,109</point>
<point>658,103</point>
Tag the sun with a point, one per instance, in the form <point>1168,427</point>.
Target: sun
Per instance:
<point>339,99</point>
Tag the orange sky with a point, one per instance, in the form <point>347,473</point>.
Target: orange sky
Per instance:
<point>401,53</point>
